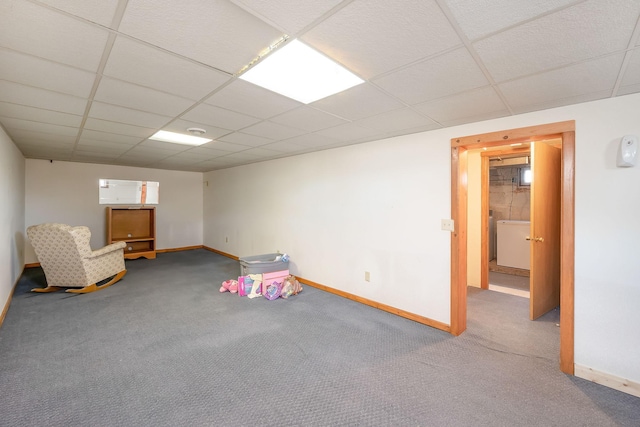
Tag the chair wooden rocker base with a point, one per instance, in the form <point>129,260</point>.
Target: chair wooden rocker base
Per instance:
<point>68,262</point>
<point>84,290</point>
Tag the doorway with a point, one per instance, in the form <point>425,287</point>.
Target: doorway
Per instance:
<point>509,207</point>
<point>459,147</point>
<point>504,210</point>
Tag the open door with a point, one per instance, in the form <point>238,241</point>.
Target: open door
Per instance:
<point>545,229</point>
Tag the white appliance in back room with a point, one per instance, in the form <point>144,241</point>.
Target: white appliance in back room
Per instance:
<point>513,248</point>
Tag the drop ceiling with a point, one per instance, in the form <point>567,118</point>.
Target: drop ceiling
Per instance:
<point>91,80</point>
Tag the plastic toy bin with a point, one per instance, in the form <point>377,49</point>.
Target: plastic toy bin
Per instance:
<point>259,264</point>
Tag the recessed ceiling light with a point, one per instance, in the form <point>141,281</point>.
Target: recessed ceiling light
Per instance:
<point>179,138</point>
<point>301,73</point>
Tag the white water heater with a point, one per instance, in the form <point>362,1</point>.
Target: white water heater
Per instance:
<point>512,247</point>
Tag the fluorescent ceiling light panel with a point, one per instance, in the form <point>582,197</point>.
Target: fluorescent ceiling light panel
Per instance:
<point>179,138</point>
<point>301,73</point>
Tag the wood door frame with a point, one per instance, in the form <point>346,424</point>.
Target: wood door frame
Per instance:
<point>459,147</point>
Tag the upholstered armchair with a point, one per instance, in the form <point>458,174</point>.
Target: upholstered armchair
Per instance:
<point>66,257</point>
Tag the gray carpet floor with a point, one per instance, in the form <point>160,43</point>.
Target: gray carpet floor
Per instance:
<point>164,348</point>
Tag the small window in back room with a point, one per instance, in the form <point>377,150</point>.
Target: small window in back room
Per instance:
<point>525,177</point>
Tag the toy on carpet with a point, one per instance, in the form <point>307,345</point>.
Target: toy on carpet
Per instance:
<point>229,285</point>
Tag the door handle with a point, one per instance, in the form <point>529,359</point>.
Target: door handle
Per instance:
<point>535,239</point>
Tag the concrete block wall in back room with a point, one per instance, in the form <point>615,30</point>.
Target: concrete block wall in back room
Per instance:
<point>507,199</point>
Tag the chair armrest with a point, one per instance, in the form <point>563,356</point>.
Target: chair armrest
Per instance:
<point>108,249</point>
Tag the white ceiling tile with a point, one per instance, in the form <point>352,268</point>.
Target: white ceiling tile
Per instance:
<point>198,156</point>
<point>263,152</point>
<point>90,157</point>
<point>395,120</point>
<point>311,140</point>
<point>175,161</point>
<point>169,58</point>
<point>51,35</point>
<point>374,37</point>
<point>288,15</point>
<point>473,119</point>
<point>227,37</point>
<point>252,100</point>
<point>480,17</point>
<point>225,146</point>
<point>137,161</point>
<point>181,126</point>
<point>628,90</point>
<point>106,146</point>
<point>284,146</point>
<point>220,161</point>
<point>38,114</point>
<point>128,95</point>
<point>109,127</point>
<point>22,136</point>
<point>148,66</point>
<point>308,119</point>
<point>150,153</point>
<point>358,102</point>
<point>632,73</point>
<point>597,75</point>
<point>98,11</point>
<point>57,143</point>
<point>39,98</point>
<point>124,115</point>
<point>468,104</point>
<point>98,137</point>
<point>242,156</point>
<point>97,152</point>
<point>164,146</point>
<point>41,127</point>
<point>444,75</point>
<point>219,117</point>
<point>206,153</point>
<point>586,30</point>
<point>272,130</point>
<point>553,103</point>
<point>245,139</point>
<point>32,71</point>
<point>58,153</point>
<point>347,132</point>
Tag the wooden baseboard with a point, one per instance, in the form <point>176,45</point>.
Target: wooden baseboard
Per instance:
<point>158,251</point>
<point>221,253</point>
<point>407,315</point>
<point>384,307</point>
<point>607,380</point>
<point>8,303</point>
<point>185,248</point>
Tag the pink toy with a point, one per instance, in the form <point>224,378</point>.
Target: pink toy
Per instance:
<point>229,285</point>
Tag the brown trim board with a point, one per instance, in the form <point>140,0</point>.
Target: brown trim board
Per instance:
<point>389,309</point>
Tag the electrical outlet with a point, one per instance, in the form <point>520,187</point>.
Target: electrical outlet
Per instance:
<point>226,240</point>
<point>447,225</point>
<point>367,276</point>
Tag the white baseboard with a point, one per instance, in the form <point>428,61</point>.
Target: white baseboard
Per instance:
<point>607,380</point>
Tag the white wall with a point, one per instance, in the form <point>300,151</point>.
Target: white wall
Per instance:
<point>12,166</point>
<point>374,207</point>
<point>377,207</point>
<point>67,192</point>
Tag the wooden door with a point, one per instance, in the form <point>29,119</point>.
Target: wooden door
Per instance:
<point>545,229</point>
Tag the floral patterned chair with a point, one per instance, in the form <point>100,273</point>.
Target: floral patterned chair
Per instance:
<point>66,257</point>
